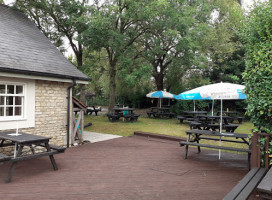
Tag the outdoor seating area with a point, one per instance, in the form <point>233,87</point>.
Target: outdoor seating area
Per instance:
<point>115,168</point>
<point>200,120</point>
<point>135,100</point>
<point>124,112</point>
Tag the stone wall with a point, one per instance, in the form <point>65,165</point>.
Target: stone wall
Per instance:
<point>50,111</point>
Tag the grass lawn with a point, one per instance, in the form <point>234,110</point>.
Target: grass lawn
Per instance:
<point>101,124</point>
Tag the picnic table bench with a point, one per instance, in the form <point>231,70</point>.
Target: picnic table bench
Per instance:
<point>126,113</point>
<point>246,186</point>
<point>160,112</point>
<point>198,135</point>
<point>265,187</point>
<point>113,117</point>
<point>92,109</point>
<point>21,140</point>
<point>131,117</point>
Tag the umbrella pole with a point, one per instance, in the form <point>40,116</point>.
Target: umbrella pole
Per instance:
<point>212,106</point>
<point>194,105</point>
<point>220,127</point>
<point>160,102</point>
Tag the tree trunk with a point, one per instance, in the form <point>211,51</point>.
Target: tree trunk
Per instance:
<point>159,81</point>
<point>112,86</point>
<point>82,88</point>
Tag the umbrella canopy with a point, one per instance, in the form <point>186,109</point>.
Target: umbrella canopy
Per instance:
<point>220,91</point>
<point>161,95</point>
<point>214,91</point>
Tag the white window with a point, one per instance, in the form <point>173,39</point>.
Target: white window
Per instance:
<point>17,103</point>
<point>12,98</point>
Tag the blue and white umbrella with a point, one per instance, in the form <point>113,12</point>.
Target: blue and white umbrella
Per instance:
<point>218,91</point>
<point>214,91</point>
<point>161,95</point>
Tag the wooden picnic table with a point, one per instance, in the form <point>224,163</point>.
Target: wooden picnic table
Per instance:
<point>234,116</point>
<point>126,113</point>
<point>194,137</point>
<point>21,141</point>
<point>160,112</point>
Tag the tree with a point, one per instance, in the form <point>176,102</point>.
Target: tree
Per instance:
<point>172,43</point>
<point>256,35</point>
<point>225,50</point>
<point>58,20</point>
<point>115,27</point>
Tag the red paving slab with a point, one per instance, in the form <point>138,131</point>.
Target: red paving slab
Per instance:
<point>128,168</point>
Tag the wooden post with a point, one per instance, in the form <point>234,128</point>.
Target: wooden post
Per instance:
<point>255,160</point>
<point>256,152</point>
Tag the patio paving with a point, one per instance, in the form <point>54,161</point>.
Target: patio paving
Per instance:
<point>126,168</point>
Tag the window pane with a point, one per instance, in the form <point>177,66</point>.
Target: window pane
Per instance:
<point>10,89</point>
<point>2,101</point>
<point>19,89</point>
<point>9,111</point>
<point>18,100</point>
<point>18,111</point>
<point>2,89</point>
<point>9,101</point>
<point>1,111</point>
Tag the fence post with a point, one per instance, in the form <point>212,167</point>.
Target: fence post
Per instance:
<point>255,156</point>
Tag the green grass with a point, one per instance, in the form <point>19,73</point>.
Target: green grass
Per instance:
<point>101,124</point>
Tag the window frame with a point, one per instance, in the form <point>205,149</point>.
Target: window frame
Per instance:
<point>14,95</point>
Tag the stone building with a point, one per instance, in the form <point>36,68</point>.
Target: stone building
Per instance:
<point>35,80</point>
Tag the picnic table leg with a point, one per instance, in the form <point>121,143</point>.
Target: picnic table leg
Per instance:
<point>249,161</point>
<point>52,159</point>
<point>187,146</point>
<point>13,164</point>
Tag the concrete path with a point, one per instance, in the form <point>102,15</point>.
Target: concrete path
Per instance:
<point>98,137</point>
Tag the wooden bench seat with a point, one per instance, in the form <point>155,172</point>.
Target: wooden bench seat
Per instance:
<point>36,155</point>
<point>181,118</point>
<point>245,187</point>
<point>230,127</point>
<point>194,125</point>
<point>184,143</point>
<point>150,113</point>
<point>113,117</point>
<point>55,147</point>
<point>92,109</point>
<point>168,115</point>
<point>132,117</point>
<point>265,186</point>
<point>223,140</point>
<point>4,157</point>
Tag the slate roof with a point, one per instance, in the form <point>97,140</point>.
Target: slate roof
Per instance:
<point>24,49</point>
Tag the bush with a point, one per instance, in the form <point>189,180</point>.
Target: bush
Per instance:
<point>257,36</point>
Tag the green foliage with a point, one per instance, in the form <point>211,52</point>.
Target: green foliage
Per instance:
<point>256,34</point>
<point>173,41</point>
<point>225,50</point>
<point>58,20</point>
<point>181,106</point>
